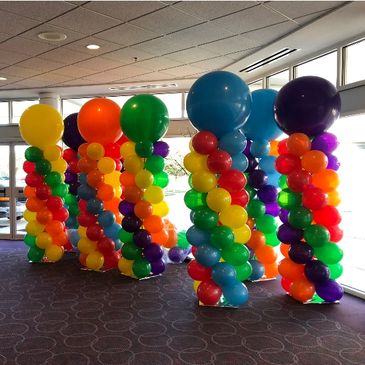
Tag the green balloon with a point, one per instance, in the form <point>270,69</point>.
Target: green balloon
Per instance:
<point>53,178</point>
<point>33,154</point>
<point>272,239</point>
<point>300,217</point>
<point>236,255</point>
<point>182,242</point>
<point>336,270</point>
<point>70,199</point>
<point>243,271</point>
<point>190,180</point>
<point>125,237</point>
<point>316,235</point>
<point>144,118</point>
<point>255,208</point>
<point>73,209</point>
<point>35,254</point>
<point>316,299</point>
<point>144,148</point>
<point>60,190</point>
<point>194,199</point>
<point>287,199</point>
<point>205,218</point>
<point>155,164</point>
<point>161,179</point>
<point>141,268</point>
<point>222,237</point>
<point>283,182</point>
<point>266,224</point>
<point>329,253</point>
<point>43,167</point>
<point>29,240</point>
<point>131,252</point>
<point>250,191</point>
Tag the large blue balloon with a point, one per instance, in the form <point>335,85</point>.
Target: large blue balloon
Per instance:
<point>261,123</point>
<point>219,102</point>
<point>224,274</point>
<point>207,255</point>
<point>197,236</point>
<point>236,294</point>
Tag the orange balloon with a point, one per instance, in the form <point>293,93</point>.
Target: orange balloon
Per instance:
<point>86,165</point>
<point>302,290</point>
<point>153,223</point>
<point>290,270</point>
<point>266,254</point>
<point>112,205</point>
<point>127,179</point>
<point>54,228</point>
<point>314,161</point>
<point>82,258</point>
<point>251,223</point>
<point>333,198</point>
<point>29,192</point>
<point>99,121</point>
<point>82,150</point>
<point>60,239</point>
<point>132,194</point>
<point>327,180</point>
<point>271,270</point>
<point>105,192</point>
<point>284,249</point>
<point>118,218</point>
<point>143,209</point>
<point>160,237</point>
<point>34,204</point>
<point>95,178</point>
<point>44,216</point>
<point>274,148</point>
<point>298,144</point>
<point>172,238</point>
<point>257,240</point>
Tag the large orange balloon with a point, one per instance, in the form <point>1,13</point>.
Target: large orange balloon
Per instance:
<point>266,254</point>
<point>44,216</point>
<point>271,270</point>
<point>143,209</point>
<point>172,239</point>
<point>127,179</point>
<point>153,223</point>
<point>298,144</point>
<point>290,270</point>
<point>95,178</point>
<point>34,204</point>
<point>302,290</point>
<point>98,121</point>
<point>314,161</point>
<point>29,192</point>
<point>257,240</point>
<point>284,249</point>
<point>327,180</point>
<point>161,237</point>
<point>132,194</point>
<point>55,228</point>
<point>105,192</point>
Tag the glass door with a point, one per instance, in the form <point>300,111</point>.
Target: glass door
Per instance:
<point>5,199</point>
<point>18,196</point>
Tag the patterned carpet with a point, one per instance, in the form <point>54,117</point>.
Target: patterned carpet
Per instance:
<point>57,314</point>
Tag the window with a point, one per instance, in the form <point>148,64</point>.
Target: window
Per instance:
<point>4,112</point>
<point>354,62</point>
<point>120,100</point>
<point>70,106</point>
<point>324,66</point>
<point>258,84</point>
<point>278,80</point>
<point>19,107</point>
<point>173,104</point>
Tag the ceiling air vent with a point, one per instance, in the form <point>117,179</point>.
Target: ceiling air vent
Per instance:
<point>143,87</point>
<point>274,57</point>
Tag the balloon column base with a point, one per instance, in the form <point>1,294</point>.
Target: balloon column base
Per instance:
<point>91,270</point>
<point>221,304</point>
<point>140,279</point>
<point>315,300</point>
<point>262,279</point>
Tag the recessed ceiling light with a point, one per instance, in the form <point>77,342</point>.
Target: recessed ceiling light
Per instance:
<point>2,78</point>
<point>143,87</point>
<point>52,36</point>
<point>92,46</point>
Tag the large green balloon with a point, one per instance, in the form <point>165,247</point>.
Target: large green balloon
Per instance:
<point>272,239</point>
<point>35,254</point>
<point>60,190</point>
<point>141,268</point>
<point>300,217</point>
<point>70,199</point>
<point>288,199</point>
<point>30,240</point>
<point>131,251</point>
<point>236,254</point>
<point>222,237</point>
<point>144,118</point>
<point>182,241</point>
<point>53,178</point>
<point>43,167</point>
<point>33,154</point>
<point>161,179</point>
<point>73,209</point>
<point>266,224</point>
<point>336,271</point>
<point>155,164</point>
<point>316,235</point>
<point>205,218</point>
<point>125,237</point>
<point>255,208</point>
<point>330,253</point>
<point>243,271</point>
<point>194,199</point>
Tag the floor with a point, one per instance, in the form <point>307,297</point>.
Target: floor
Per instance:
<point>57,314</point>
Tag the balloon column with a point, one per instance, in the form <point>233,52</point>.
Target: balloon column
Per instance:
<point>182,249</point>
<point>41,126</point>
<point>144,121</point>
<point>99,191</point>
<point>260,129</point>
<point>218,104</point>
<point>305,108</point>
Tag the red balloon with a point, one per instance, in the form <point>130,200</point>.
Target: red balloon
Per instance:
<point>314,198</point>
<point>82,204</point>
<point>33,179</point>
<point>240,198</point>
<point>86,219</point>
<point>60,214</point>
<point>123,139</point>
<point>286,284</point>
<point>287,163</point>
<point>43,192</point>
<point>111,260</point>
<point>193,250</point>
<point>106,245</point>
<point>205,142</point>
<point>69,154</point>
<point>336,233</point>
<point>112,150</point>
<point>298,180</point>
<point>327,216</point>
<point>232,180</point>
<point>28,167</point>
<point>118,165</point>
<point>54,203</point>
<point>209,292</point>
<point>199,272</point>
<point>94,232</point>
<point>73,166</point>
<point>219,161</point>
<point>282,147</point>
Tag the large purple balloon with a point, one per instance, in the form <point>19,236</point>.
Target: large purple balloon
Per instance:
<point>308,104</point>
<point>153,252</point>
<point>142,238</point>
<point>288,234</point>
<point>126,208</point>
<point>71,135</point>
<point>325,142</point>
<point>316,271</point>
<point>161,148</point>
<point>158,267</point>
<point>177,254</point>
<point>300,253</point>
<point>329,291</point>
<point>267,194</point>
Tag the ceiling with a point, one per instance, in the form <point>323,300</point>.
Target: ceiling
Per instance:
<point>140,41</point>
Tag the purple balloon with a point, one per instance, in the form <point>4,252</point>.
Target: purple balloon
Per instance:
<point>247,149</point>
<point>71,135</point>
<point>333,163</point>
<point>153,252</point>
<point>252,163</point>
<point>301,253</point>
<point>272,209</point>
<point>177,255</point>
<point>158,267</point>
<point>142,238</point>
<point>330,291</point>
<point>161,148</point>
<point>268,194</point>
<point>289,234</point>
<point>72,189</point>
<point>126,208</point>
<point>70,178</point>
<point>131,223</point>
<point>325,142</point>
<point>283,215</point>
<point>308,104</point>
<point>316,271</point>
<point>257,179</point>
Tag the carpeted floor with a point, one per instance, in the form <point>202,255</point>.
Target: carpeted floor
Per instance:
<point>57,314</point>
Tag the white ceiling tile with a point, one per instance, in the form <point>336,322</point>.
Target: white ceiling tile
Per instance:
<point>182,71</point>
<point>216,63</point>
<point>160,46</point>
<point>15,24</point>
<point>11,57</point>
<point>27,46</point>
<point>99,64</point>
<point>151,77</point>
<point>104,77</point>
<point>39,10</point>
<point>31,83</point>
<point>40,64</point>
<point>19,71</point>
<point>191,55</point>
<point>74,71</point>
<point>63,53</point>
<point>51,78</point>
<point>232,44</point>
<point>129,71</point>
<point>81,44</point>
<point>166,20</point>
<point>126,55</point>
<point>308,18</point>
<point>158,63</point>
<point>124,10</point>
<point>85,21</point>
<point>4,36</point>
<point>75,82</point>
<point>237,56</point>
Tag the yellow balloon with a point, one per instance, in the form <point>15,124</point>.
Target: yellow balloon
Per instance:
<point>52,153</point>
<point>59,165</point>
<point>125,266</point>
<point>333,198</point>
<point>242,234</point>
<point>86,246</point>
<point>44,240</point>
<point>218,199</point>
<point>54,253</point>
<point>118,190</point>
<point>29,216</point>
<point>95,260</point>
<point>203,181</point>
<point>143,179</point>
<point>196,283</point>
<point>194,161</point>
<point>41,125</point>
<point>34,228</point>
<point>112,179</point>
<point>82,231</point>
<point>133,163</point>
<point>95,151</point>
<point>191,148</point>
<point>127,149</point>
<point>233,216</point>
<point>153,194</point>
<point>106,165</point>
<point>161,209</point>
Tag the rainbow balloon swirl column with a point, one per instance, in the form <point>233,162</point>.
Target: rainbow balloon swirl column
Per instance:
<point>41,126</point>
<point>305,108</point>
<point>218,104</point>
<point>99,191</point>
<point>144,121</point>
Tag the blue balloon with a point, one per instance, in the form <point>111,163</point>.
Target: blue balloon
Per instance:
<point>234,142</point>
<point>197,236</point>
<point>83,178</point>
<point>260,148</point>
<point>261,123</point>
<point>73,236</point>
<point>117,243</point>
<point>224,274</point>
<point>240,162</point>
<point>207,255</point>
<point>258,270</point>
<point>236,294</point>
<point>112,231</point>
<point>94,206</point>
<point>273,178</point>
<point>219,102</point>
<point>106,218</point>
<point>267,163</point>
<point>72,222</point>
<point>86,192</point>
